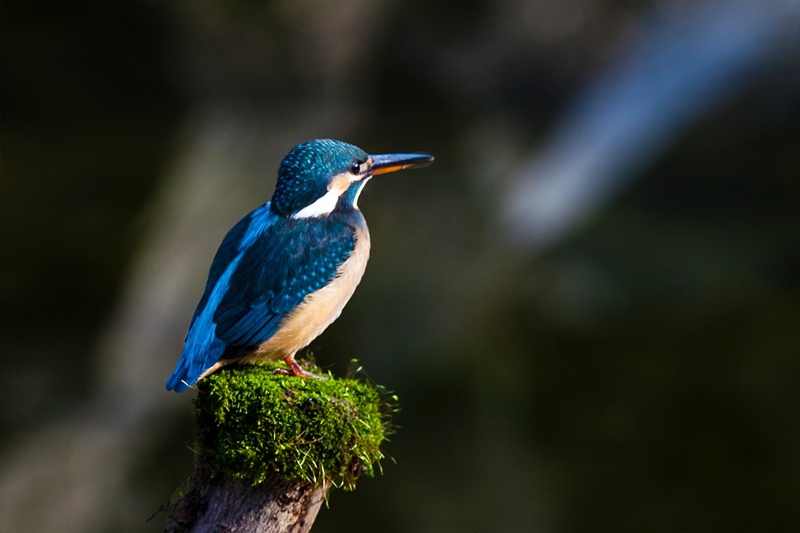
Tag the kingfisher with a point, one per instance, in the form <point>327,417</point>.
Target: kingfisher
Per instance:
<point>286,270</point>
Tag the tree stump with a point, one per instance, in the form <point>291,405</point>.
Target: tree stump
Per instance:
<point>271,446</point>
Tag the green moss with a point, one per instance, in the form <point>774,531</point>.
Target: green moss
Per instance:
<point>252,421</point>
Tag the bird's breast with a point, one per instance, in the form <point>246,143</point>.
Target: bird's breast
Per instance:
<point>320,308</point>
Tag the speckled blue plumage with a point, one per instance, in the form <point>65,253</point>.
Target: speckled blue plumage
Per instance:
<point>264,268</point>
<point>288,261</point>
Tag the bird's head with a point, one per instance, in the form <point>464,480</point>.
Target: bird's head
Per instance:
<point>318,176</point>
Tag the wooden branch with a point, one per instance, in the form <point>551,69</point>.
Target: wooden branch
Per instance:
<point>272,506</point>
<point>219,505</point>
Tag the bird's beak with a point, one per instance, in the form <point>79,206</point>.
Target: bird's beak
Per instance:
<point>381,164</point>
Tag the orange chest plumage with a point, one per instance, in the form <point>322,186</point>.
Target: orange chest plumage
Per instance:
<point>318,309</point>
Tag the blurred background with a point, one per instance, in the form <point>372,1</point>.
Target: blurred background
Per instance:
<point>589,306</point>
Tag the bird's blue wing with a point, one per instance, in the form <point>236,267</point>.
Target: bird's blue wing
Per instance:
<point>284,264</point>
<point>202,349</point>
<point>226,254</point>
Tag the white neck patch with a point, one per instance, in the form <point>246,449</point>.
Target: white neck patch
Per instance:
<point>323,206</point>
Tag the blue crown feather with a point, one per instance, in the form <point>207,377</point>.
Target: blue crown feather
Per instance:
<point>298,176</point>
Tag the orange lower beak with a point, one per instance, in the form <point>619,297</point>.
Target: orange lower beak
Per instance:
<point>385,163</point>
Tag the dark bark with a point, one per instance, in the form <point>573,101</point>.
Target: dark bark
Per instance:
<point>218,505</point>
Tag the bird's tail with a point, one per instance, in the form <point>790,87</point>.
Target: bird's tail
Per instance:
<point>196,359</point>
<point>179,381</point>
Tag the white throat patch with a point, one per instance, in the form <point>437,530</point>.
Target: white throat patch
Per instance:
<point>358,192</point>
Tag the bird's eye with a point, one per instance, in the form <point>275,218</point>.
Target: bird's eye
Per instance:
<point>355,168</point>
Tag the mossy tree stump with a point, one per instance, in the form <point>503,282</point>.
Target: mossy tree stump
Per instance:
<point>270,446</point>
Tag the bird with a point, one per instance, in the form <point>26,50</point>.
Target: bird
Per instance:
<point>286,270</point>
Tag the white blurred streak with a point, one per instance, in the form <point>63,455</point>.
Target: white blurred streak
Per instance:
<point>703,54</point>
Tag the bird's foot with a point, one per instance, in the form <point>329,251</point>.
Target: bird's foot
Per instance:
<point>296,370</point>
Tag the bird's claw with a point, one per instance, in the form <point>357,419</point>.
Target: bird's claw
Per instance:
<point>295,370</point>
